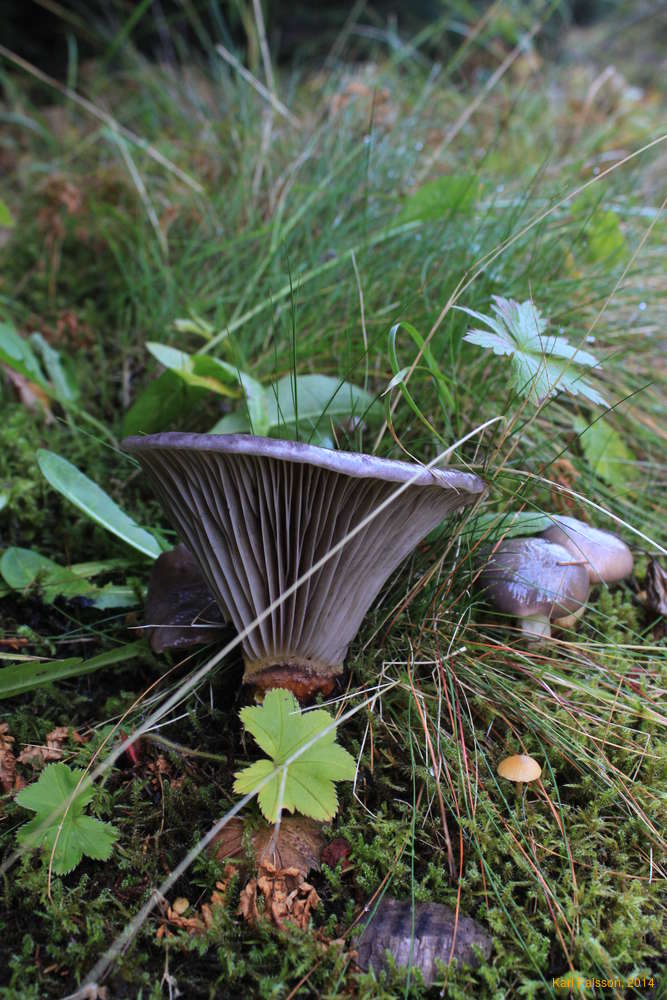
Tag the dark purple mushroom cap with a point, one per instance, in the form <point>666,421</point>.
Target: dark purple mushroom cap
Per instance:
<point>535,581</point>
<point>258,512</point>
<point>607,557</point>
<point>180,609</point>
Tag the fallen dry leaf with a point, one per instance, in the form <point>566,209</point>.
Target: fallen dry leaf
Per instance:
<point>53,750</point>
<point>286,896</point>
<point>10,781</point>
<point>337,850</point>
<point>299,843</point>
<point>30,394</point>
<point>173,919</point>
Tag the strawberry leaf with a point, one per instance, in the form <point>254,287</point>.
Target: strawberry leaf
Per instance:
<point>305,784</point>
<point>73,833</point>
<point>543,364</point>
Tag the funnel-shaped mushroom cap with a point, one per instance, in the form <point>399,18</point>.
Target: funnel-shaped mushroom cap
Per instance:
<point>608,558</point>
<point>535,581</point>
<point>258,513</point>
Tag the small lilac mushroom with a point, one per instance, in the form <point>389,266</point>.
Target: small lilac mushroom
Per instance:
<point>537,582</point>
<point>606,557</point>
<point>257,513</point>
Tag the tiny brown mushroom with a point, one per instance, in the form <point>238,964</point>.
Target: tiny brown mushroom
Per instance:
<point>536,582</point>
<point>520,768</point>
<point>258,513</point>
<point>606,556</point>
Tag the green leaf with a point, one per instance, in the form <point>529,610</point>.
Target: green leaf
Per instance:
<point>199,370</point>
<point>444,394</point>
<point>23,677</point>
<point>232,423</point>
<point>606,452</point>
<point>6,217</point>
<point>18,354</point>
<point>602,233</point>
<point>510,525</point>
<point>114,595</point>
<point>62,823</point>
<point>164,403</point>
<point>281,730</point>
<point>23,568</point>
<point>58,369</point>
<point>542,363</point>
<point>445,195</point>
<point>319,399</point>
<point>93,501</point>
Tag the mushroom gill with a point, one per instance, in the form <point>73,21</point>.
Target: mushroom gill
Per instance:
<point>257,513</point>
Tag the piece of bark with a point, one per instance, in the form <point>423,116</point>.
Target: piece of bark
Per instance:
<point>180,608</point>
<point>392,929</point>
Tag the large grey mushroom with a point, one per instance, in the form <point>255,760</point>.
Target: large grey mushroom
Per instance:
<point>257,513</point>
<point>606,556</point>
<point>535,581</point>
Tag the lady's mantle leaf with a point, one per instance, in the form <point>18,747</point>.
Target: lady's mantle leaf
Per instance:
<point>543,364</point>
<point>73,833</point>
<point>281,730</point>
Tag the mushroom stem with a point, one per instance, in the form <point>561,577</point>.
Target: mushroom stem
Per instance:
<point>305,677</point>
<point>570,620</point>
<point>534,628</point>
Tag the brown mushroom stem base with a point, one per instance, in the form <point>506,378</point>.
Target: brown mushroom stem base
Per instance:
<point>303,677</point>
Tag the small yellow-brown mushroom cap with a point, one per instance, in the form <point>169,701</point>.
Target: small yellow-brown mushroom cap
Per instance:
<point>520,767</point>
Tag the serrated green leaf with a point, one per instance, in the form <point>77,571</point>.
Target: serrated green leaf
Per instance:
<point>282,730</point>
<point>56,783</point>
<point>542,364</point>
<point>60,822</point>
<point>93,501</point>
<point>606,452</point>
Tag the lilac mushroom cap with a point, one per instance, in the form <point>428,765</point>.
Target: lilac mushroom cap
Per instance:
<point>608,559</point>
<point>535,581</point>
<point>257,513</point>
